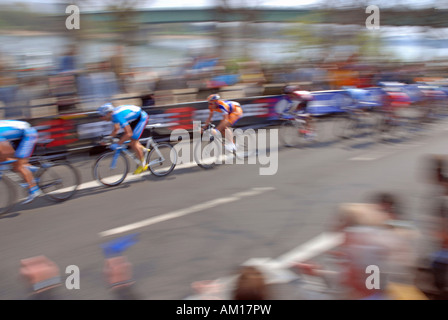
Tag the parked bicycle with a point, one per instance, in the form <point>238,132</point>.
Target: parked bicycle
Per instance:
<point>58,179</point>
<point>112,167</point>
<point>210,150</point>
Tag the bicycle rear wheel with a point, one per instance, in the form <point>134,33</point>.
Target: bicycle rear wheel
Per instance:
<point>110,169</point>
<point>162,160</point>
<point>348,128</point>
<point>290,133</point>
<point>246,145</point>
<point>207,152</point>
<point>8,195</point>
<point>59,181</point>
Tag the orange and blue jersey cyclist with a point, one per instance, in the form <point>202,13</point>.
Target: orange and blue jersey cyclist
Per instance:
<point>231,111</point>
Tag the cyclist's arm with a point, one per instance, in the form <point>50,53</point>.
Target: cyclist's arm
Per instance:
<point>115,131</point>
<point>6,150</point>
<point>127,134</point>
<point>207,122</point>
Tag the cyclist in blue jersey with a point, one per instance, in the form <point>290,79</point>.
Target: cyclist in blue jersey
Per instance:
<point>133,120</point>
<point>17,141</point>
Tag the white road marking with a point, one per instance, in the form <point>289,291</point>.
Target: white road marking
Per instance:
<point>186,211</point>
<point>375,155</point>
<point>363,158</point>
<point>276,270</point>
<point>130,177</point>
<point>312,248</point>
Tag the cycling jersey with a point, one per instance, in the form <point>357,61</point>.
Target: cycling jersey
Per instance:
<point>12,129</point>
<point>224,106</point>
<point>303,97</point>
<point>133,116</point>
<point>21,133</point>
<point>231,108</point>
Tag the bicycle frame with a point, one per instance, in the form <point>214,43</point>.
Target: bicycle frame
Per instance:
<point>219,137</point>
<point>6,170</point>
<point>150,143</point>
<point>214,135</point>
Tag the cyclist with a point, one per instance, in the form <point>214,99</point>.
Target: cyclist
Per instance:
<point>17,142</point>
<point>132,119</point>
<point>298,105</point>
<point>231,111</point>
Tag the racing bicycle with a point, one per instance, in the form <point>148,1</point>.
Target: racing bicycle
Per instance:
<point>356,123</point>
<point>210,150</point>
<point>294,132</point>
<point>58,179</point>
<point>112,167</point>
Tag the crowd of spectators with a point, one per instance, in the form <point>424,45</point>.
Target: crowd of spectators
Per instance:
<point>76,87</point>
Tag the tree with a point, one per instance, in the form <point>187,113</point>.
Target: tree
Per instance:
<point>247,10</point>
<point>121,17</point>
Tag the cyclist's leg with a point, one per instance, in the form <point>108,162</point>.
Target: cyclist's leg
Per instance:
<point>135,144</point>
<point>6,150</point>
<point>23,153</point>
<point>136,134</point>
<point>21,167</point>
<point>304,110</point>
<point>233,119</point>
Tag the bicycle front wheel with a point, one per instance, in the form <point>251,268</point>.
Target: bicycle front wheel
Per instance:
<point>289,132</point>
<point>8,195</point>
<point>111,169</point>
<point>347,128</point>
<point>60,181</point>
<point>162,159</point>
<point>207,152</point>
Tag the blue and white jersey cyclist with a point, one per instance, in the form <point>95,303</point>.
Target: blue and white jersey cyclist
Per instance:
<point>133,120</point>
<point>17,142</point>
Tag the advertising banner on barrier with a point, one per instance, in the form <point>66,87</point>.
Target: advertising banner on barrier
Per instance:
<point>367,97</point>
<point>332,101</point>
<point>81,129</point>
<point>336,101</point>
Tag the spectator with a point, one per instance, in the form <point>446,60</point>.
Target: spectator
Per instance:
<point>68,60</point>
<point>98,85</point>
<point>439,258</point>
<point>250,285</point>
<point>389,204</point>
<point>117,64</point>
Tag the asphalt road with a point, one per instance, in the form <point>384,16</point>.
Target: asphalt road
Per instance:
<point>206,223</point>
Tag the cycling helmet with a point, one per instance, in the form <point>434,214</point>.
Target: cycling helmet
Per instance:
<point>105,109</point>
<point>290,89</point>
<point>213,97</point>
